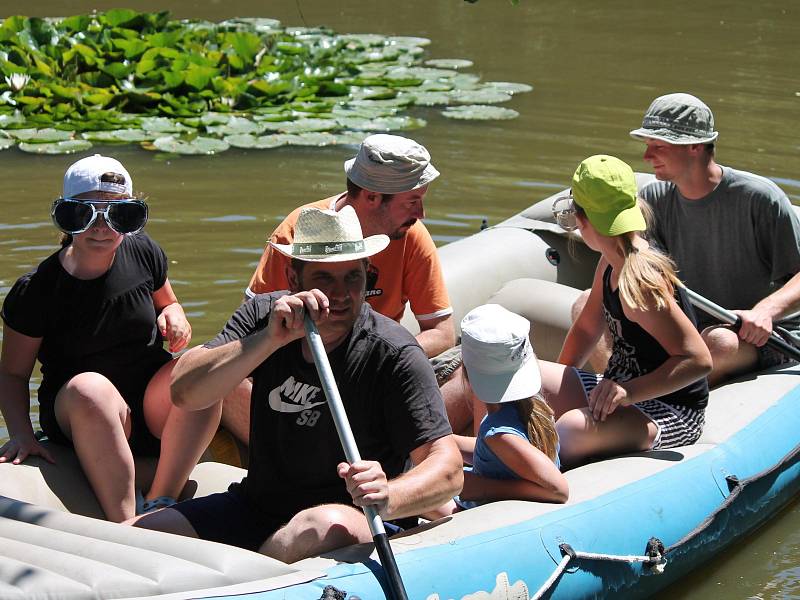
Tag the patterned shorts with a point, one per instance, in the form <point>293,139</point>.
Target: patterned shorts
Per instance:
<point>677,425</point>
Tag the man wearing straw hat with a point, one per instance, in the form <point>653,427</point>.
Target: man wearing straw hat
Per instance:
<point>386,185</point>
<point>733,235</point>
<point>300,497</point>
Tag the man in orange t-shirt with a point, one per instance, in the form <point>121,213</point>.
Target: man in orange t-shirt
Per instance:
<point>386,185</point>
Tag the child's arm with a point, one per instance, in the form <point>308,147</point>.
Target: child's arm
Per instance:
<point>588,326</point>
<point>540,479</point>
<point>689,361</point>
<point>466,445</point>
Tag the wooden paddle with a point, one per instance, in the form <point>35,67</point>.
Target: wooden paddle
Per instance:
<point>379,537</point>
<point>775,341</point>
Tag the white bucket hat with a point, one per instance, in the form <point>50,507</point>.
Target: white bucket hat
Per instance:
<point>330,236</point>
<point>390,164</point>
<point>86,175</point>
<point>498,355</point>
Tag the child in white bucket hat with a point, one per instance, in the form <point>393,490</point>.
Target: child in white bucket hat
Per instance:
<point>517,440</point>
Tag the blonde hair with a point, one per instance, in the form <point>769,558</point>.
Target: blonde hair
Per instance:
<point>648,276</point>
<point>539,418</point>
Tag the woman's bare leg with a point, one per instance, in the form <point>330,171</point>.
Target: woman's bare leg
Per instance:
<point>562,387</point>
<point>184,434</point>
<point>92,413</point>
<point>581,437</point>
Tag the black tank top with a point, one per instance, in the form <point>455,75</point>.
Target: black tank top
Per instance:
<point>635,352</point>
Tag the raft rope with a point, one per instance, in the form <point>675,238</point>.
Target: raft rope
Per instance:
<point>656,559</point>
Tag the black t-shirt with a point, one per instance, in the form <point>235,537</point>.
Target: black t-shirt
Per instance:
<point>106,325</point>
<point>389,392</point>
<point>635,352</point>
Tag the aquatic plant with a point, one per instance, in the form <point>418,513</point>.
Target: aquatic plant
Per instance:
<point>197,87</point>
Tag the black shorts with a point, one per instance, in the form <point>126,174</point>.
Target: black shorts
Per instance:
<point>131,388</point>
<point>227,518</point>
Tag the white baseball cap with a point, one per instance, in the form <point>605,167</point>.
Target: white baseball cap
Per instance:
<point>96,174</point>
<point>498,355</point>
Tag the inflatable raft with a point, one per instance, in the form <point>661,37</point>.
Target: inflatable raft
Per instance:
<point>633,523</point>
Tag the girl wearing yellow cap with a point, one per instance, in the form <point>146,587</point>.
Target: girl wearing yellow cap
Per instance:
<point>653,392</point>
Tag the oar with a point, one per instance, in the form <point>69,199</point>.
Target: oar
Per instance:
<point>352,455</point>
<point>775,341</point>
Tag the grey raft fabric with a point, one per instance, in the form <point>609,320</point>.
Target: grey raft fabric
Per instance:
<point>47,553</point>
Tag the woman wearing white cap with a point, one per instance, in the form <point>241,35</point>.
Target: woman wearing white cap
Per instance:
<point>515,454</point>
<point>95,314</point>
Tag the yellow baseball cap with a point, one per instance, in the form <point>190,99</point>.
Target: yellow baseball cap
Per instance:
<point>605,188</point>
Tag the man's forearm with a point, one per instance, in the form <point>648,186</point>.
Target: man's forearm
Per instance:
<point>783,301</point>
<point>203,376</point>
<point>434,480</point>
<point>438,337</point>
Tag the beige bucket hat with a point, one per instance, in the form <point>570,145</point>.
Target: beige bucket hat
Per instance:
<point>330,236</point>
<point>390,164</point>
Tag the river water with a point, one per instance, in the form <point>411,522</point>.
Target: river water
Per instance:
<point>594,66</point>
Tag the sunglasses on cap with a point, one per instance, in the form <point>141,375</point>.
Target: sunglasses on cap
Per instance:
<point>564,213</point>
<point>76,216</point>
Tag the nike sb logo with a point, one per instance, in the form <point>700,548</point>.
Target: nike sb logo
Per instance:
<point>294,396</point>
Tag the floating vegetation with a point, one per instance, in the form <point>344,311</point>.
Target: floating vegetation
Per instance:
<point>196,87</point>
<point>479,112</point>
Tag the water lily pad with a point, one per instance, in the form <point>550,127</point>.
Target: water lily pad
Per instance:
<point>396,102</point>
<point>163,125</point>
<point>449,63</point>
<point>118,136</point>
<point>424,73</point>
<point>465,81</point>
<point>432,98</point>
<point>315,138</point>
<point>214,118</point>
<point>408,41</point>
<point>363,39</point>
<point>63,147</point>
<point>263,142</point>
<point>483,96</point>
<point>349,138</point>
<point>395,123</point>
<point>479,112</point>
<point>6,143</point>
<point>308,125</point>
<point>39,136</point>
<point>262,25</point>
<point>235,126</point>
<point>198,145</point>
<point>509,87</point>
<point>11,119</point>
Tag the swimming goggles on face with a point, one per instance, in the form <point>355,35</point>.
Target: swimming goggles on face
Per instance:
<point>564,213</point>
<point>76,216</point>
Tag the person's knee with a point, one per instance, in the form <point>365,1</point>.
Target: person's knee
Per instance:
<point>87,394</point>
<point>723,343</point>
<point>575,428</point>
<point>329,525</point>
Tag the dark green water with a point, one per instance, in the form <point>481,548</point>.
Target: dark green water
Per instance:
<point>595,68</point>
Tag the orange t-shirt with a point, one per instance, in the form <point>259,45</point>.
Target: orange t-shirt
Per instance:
<point>408,270</point>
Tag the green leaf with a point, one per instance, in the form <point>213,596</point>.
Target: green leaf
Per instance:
<point>65,147</point>
<point>199,145</point>
<point>477,112</point>
<point>198,77</point>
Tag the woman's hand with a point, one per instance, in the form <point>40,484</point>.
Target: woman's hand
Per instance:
<point>19,447</point>
<point>606,397</point>
<point>174,327</point>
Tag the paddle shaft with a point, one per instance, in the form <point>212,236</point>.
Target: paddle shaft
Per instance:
<point>352,455</point>
<point>775,341</point>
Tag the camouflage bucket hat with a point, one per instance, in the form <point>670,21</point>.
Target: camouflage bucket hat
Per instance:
<point>677,119</point>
